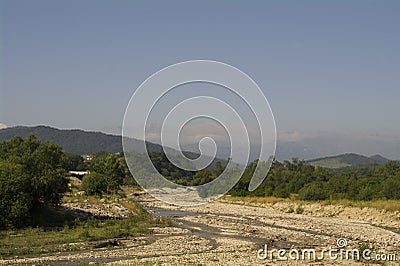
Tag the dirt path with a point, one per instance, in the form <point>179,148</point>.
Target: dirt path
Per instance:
<point>230,234</point>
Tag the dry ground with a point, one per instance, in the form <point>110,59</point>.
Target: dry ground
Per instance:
<point>231,233</point>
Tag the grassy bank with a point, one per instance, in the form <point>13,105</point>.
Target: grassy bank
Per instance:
<point>34,241</point>
<point>61,230</point>
<point>387,205</point>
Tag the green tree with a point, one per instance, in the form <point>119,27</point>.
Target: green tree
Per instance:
<point>110,171</point>
<point>32,174</point>
<point>392,168</point>
<point>15,198</point>
<point>201,177</point>
<point>76,162</point>
<point>94,184</point>
<point>49,180</point>
<point>391,188</point>
<point>312,191</point>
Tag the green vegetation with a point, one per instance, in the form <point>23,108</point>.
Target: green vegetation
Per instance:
<point>32,175</point>
<point>317,183</point>
<point>107,174</point>
<point>72,141</point>
<point>296,177</point>
<point>76,162</point>
<point>332,163</point>
<point>368,178</point>
<point>348,160</point>
<point>33,183</point>
<point>183,177</point>
<point>74,235</point>
<point>77,141</point>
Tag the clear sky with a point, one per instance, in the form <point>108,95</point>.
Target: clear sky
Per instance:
<point>323,65</point>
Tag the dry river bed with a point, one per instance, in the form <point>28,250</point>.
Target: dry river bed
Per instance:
<point>222,233</point>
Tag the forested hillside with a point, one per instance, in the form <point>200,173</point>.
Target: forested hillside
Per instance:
<point>77,141</point>
<point>348,160</point>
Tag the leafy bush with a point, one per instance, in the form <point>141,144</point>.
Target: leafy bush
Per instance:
<point>94,184</point>
<point>15,197</point>
<point>312,191</point>
<point>107,174</point>
<point>31,174</point>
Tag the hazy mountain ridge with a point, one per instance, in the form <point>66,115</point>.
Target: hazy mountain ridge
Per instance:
<point>76,141</point>
<point>347,160</point>
<point>323,144</point>
<point>86,142</point>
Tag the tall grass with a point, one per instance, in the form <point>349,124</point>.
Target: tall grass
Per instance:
<point>387,205</point>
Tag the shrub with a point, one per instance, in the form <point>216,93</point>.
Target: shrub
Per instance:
<point>312,191</point>
<point>299,209</point>
<point>15,198</point>
<point>32,174</point>
<point>94,184</point>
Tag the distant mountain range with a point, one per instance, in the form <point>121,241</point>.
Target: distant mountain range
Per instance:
<point>84,142</point>
<point>347,160</point>
<point>322,144</point>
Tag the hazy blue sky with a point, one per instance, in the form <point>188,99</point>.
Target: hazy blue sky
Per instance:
<point>323,65</point>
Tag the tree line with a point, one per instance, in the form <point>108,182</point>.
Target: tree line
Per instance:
<point>307,182</point>
<point>297,178</point>
<point>34,174</point>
